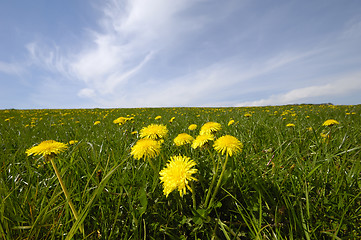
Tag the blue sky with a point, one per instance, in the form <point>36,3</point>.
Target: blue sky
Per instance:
<point>161,53</point>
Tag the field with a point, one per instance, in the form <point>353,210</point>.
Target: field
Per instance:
<point>292,177</point>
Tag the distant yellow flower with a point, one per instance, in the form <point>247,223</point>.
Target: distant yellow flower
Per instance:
<point>210,128</point>
<point>290,125</point>
<point>154,131</point>
<point>145,148</point>
<point>247,115</point>
<point>201,140</point>
<point>330,122</point>
<point>192,127</point>
<point>182,139</point>
<point>172,119</point>
<point>134,132</point>
<point>121,120</point>
<point>228,144</point>
<point>71,142</point>
<point>325,137</point>
<point>230,122</point>
<point>158,117</point>
<point>47,148</point>
<point>177,174</point>
<point>96,122</point>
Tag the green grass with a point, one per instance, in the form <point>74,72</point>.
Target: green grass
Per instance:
<point>288,182</point>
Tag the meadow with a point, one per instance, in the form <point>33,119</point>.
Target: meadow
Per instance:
<point>292,176</point>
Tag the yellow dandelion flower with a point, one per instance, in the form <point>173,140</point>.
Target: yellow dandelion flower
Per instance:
<point>71,142</point>
<point>290,125</point>
<point>96,122</point>
<point>210,128</point>
<point>192,127</point>
<point>228,144</point>
<point>145,148</point>
<point>330,122</point>
<point>182,139</point>
<point>154,131</point>
<point>177,174</point>
<point>158,117</point>
<point>47,148</point>
<point>230,122</point>
<point>134,132</point>
<point>172,119</point>
<point>247,115</point>
<point>121,120</point>
<point>201,140</point>
<point>325,137</point>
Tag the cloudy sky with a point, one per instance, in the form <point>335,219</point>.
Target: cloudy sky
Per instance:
<point>162,53</point>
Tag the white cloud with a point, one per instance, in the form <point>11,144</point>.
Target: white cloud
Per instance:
<point>340,86</point>
<point>50,58</point>
<point>11,68</point>
<point>132,33</point>
<point>114,66</point>
<point>86,93</point>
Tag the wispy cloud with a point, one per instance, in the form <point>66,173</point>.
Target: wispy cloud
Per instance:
<point>132,32</point>
<point>11,68</point>
<point>168,54</point>
<point>338,86</point>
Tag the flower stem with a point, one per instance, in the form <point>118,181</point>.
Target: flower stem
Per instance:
<point>66,193</point>
<point>215,170</point>
<point>193,195</point>
<point>218,183</point>
<point>152,165</point>
<point>156,174</point>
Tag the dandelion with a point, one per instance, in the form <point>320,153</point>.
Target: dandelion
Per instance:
<point>158,117</point>
<point>121,120</point>
<point>290,125</point>
<point>182,139</point>
<point>154,131</point>
<point>192,127</point>
<point>230,122</point>
<point>172,119</point>
<point>47,148</point>
<point>201,140</point>
<point>71,142</point>
<point>247,115</point>
<point>96,123</point>
<point>330,122</point>
<point>326,137</point>
<point>228,144</point>
<point>145,148</point>
<point>177,174</point>
<point>210,128</point>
